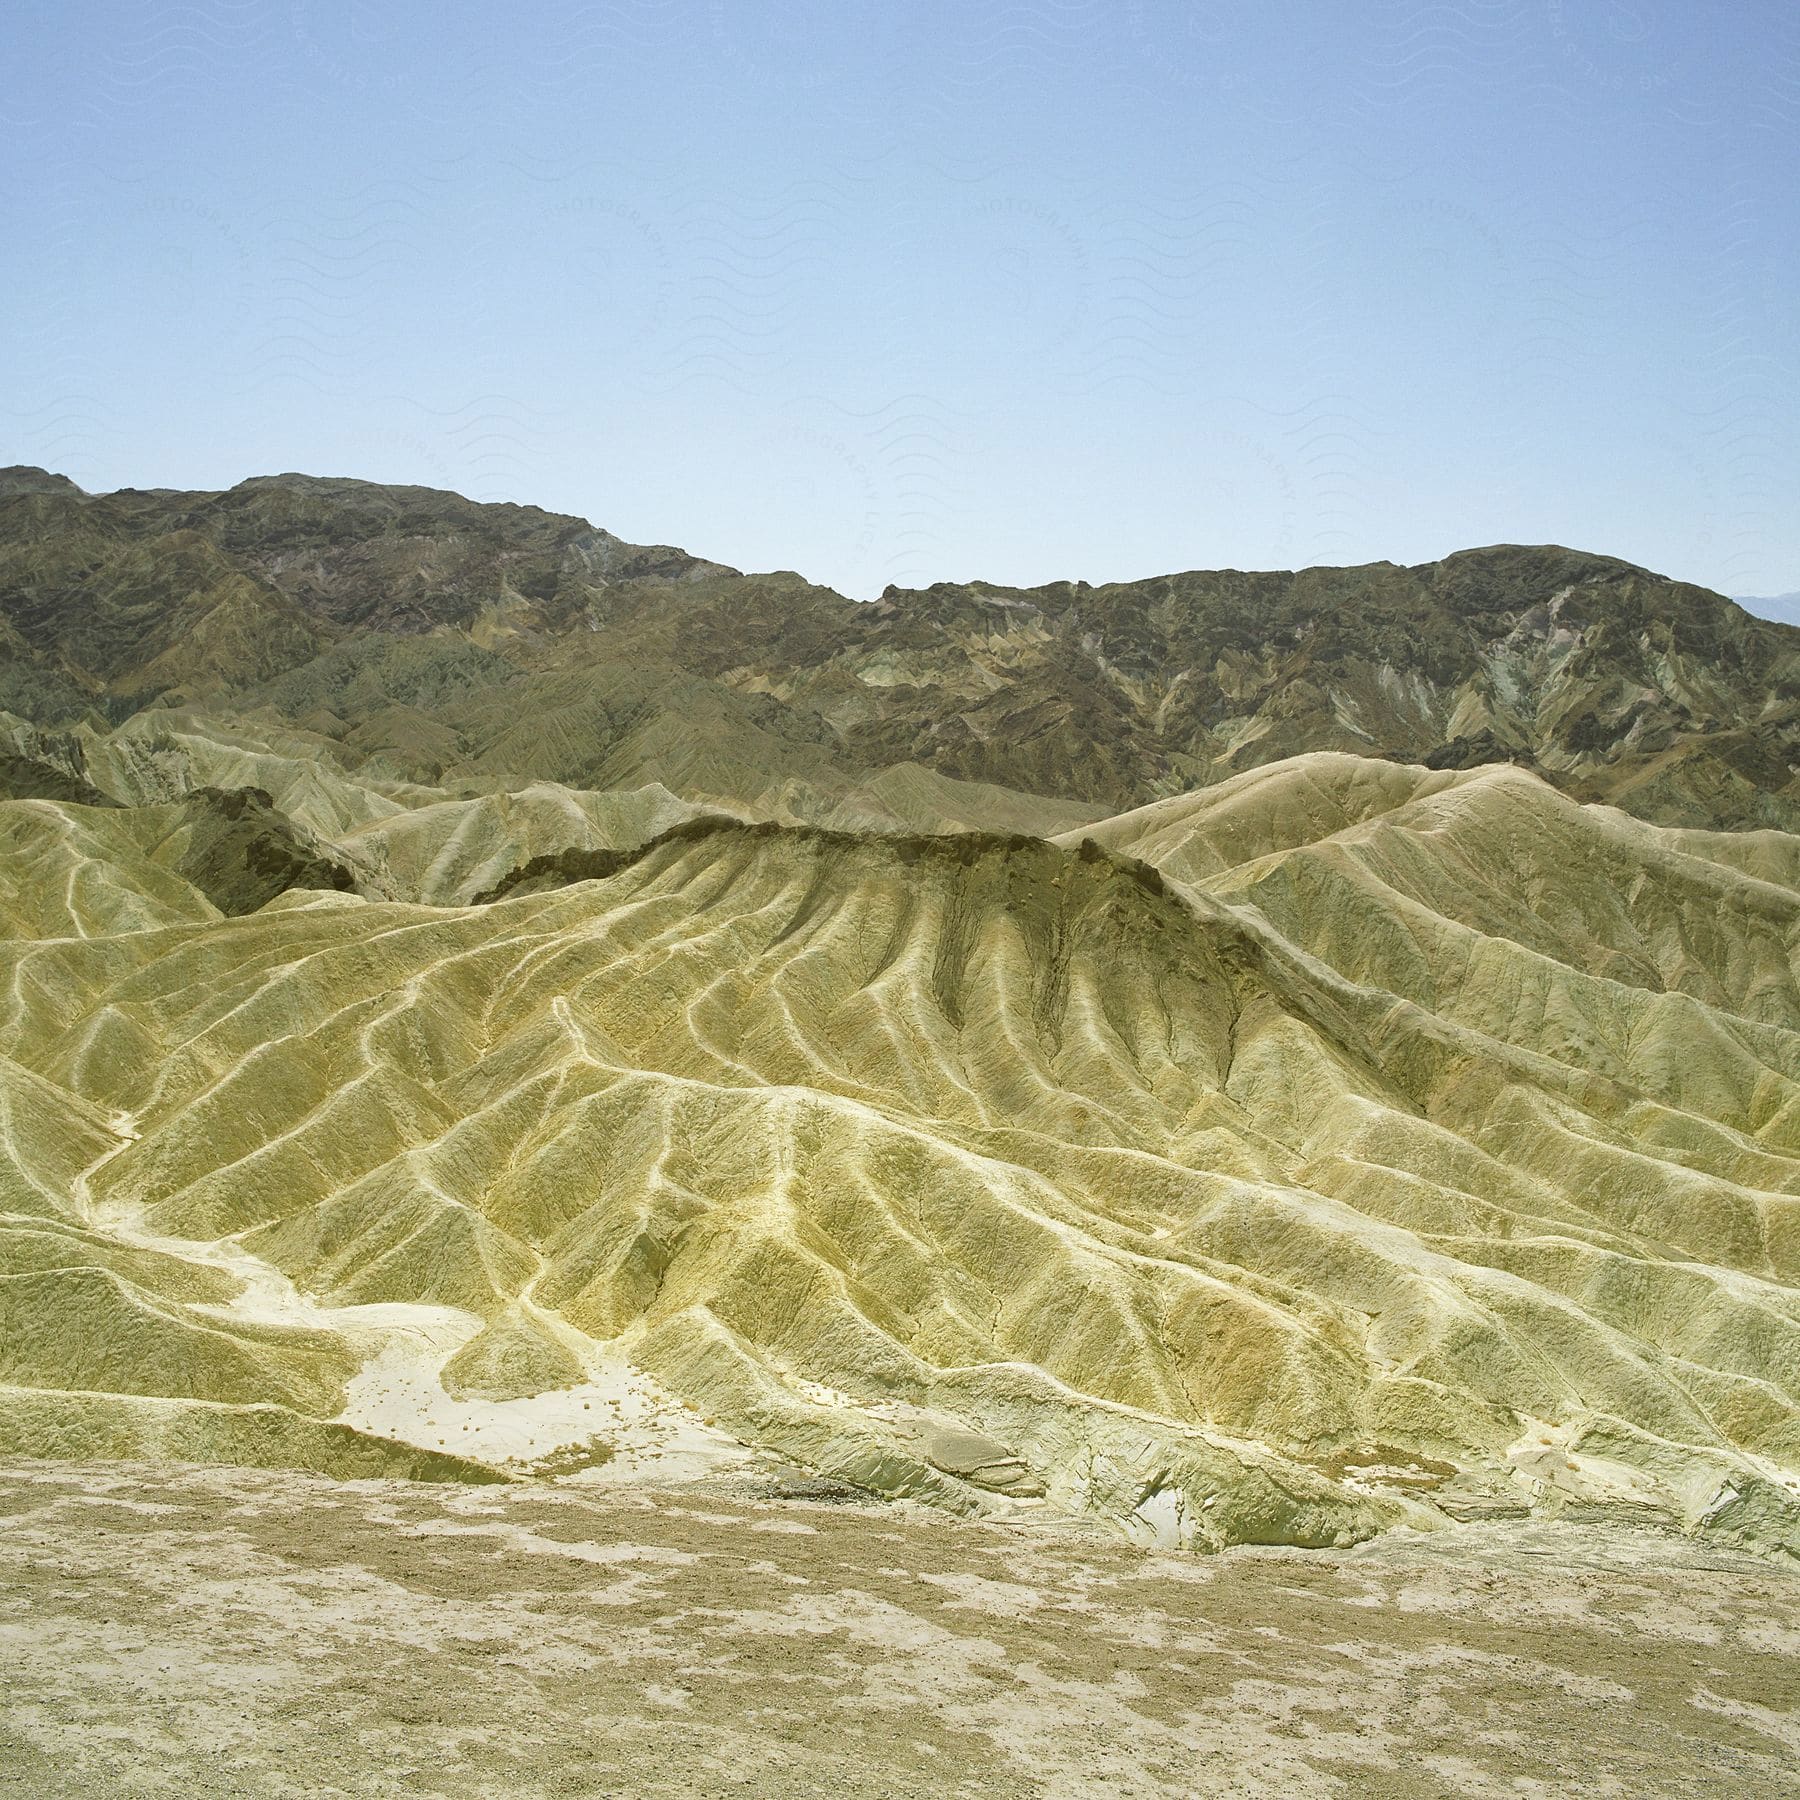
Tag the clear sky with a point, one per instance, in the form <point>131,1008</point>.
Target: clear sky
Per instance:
<point>906,292</point>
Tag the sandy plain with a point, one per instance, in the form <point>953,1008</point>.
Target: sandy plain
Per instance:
<point>229,1632</point>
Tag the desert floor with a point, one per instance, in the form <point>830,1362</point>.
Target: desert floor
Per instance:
<point>208,1632</point>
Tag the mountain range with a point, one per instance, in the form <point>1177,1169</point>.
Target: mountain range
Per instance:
<point>1220,1057</point>
<point>410,635</point>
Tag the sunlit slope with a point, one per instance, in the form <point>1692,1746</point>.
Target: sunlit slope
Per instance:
<point>451,852</point>
<point>112,1347</point>
<point>1472,891</point>
<point>77,870</point>
<point>403,840</point>
<point>1279,807</point>
<point>155,757</point>
<point>912,798</point>
<point>1355,1167</point>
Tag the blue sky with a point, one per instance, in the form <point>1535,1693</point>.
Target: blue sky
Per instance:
<point>1084,288</point>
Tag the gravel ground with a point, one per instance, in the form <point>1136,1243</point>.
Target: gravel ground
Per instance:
<point>210,1632</point>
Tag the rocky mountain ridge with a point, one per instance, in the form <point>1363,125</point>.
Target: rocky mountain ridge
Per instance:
<point>413,632</point>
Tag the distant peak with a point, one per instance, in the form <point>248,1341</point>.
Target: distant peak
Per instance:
<point>1528,556</point>
<point>26,478</point>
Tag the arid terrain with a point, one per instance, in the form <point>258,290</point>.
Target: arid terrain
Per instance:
<point>215,1632</point>
<point>617,1177</point>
